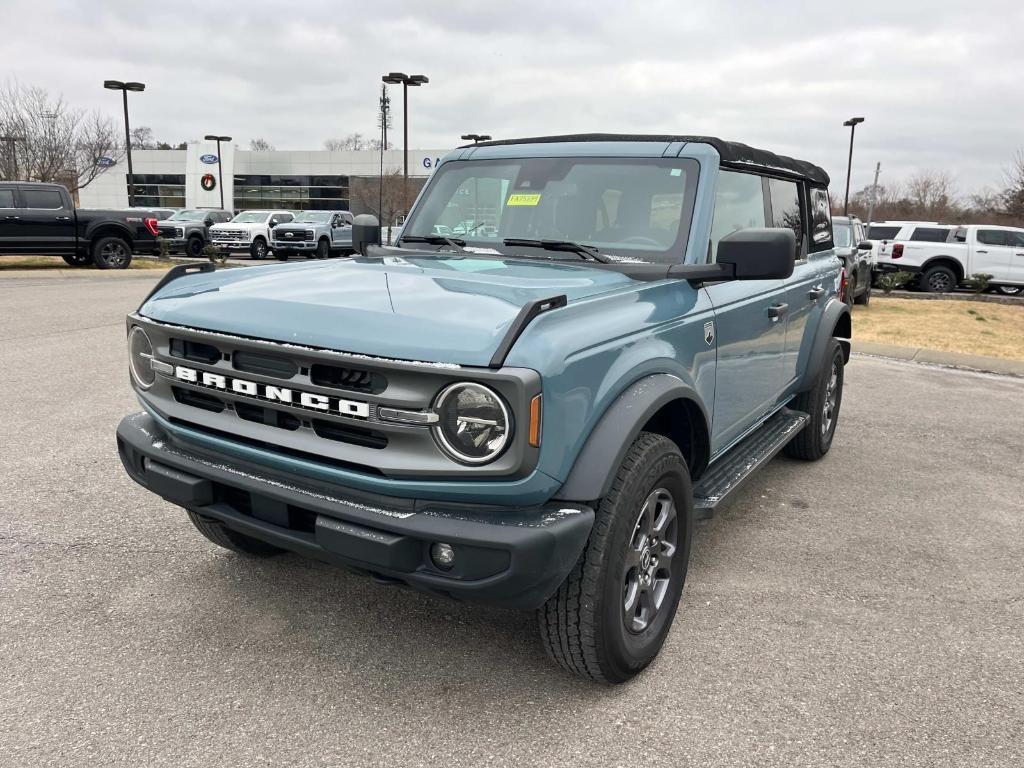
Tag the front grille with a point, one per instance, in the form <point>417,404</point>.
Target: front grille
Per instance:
<point>296,235</point>
<point>267,416</point>
<point>229,235</point>
<point>195,351</point>
<point>352,379</point>
<point>265,365</point>
<point>343,433</point>
<point>198,400</point>
<point>172,232</point>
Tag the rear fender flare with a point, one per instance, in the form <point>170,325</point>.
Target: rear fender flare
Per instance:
<point>835,323</point>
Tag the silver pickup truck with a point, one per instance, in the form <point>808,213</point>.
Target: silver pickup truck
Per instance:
<point>314,233</point>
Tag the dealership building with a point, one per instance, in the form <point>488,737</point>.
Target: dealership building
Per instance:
<point>196,177</point>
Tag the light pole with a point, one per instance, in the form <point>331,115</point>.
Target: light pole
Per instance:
<point>10,141</point>
<point>394,78</point>
<point>118,85</point>
<point>220,173</point>
<point>476,138</point>
<point>853,122</point>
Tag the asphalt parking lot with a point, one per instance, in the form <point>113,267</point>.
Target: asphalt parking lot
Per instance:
<point>866,610</point>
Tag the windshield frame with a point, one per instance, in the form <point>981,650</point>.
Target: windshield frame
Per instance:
<point>625,256</point>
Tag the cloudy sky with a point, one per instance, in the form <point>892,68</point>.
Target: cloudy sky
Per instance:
<point>939,83</point>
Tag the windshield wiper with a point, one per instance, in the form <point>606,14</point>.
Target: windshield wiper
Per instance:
<point>454,242</point>
<point>585,251</point>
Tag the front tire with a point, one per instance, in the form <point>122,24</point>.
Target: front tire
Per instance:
<point>822,403</point>
<point>224,537</point>
<point>111,253</point>
<point>865,298</point>
<point>194,248</point>
<point>323,249</point>
<point>258,249</point>
<point>612,614</point>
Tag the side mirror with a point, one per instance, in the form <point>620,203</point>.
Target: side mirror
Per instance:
<point>207,221</point>
<point>865,245</point>
<point>759,254</point>
<point>273,224</point>
<point>365,232</point>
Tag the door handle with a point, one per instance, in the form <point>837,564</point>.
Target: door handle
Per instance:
<point>980,251</point>
<point>63,218</point>
<point>816,292</point>
<point>775,311</point>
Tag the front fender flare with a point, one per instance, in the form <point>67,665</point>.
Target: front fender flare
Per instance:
<point>595,467</point>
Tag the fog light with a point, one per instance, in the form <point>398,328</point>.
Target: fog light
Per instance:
<point>443,555</point>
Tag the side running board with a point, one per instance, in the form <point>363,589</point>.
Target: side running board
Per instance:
<point>731,472</point>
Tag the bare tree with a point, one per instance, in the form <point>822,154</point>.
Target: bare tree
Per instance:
<point>387,198</point>
<point>142,138</point>
<point>1013,197</point>
<point>352,142</point>
<point>931,193</point>
<point>261,145</point>
<point>59,143</point>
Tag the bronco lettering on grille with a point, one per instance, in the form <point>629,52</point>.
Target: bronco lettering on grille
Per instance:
<point>271,393</point>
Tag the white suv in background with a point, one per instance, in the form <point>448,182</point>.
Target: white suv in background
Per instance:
<point>248,231</point>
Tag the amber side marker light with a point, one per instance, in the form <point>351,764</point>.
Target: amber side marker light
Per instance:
<point>535,421</point>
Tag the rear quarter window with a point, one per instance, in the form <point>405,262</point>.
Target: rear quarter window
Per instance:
<point>821,220</point>
<point>882,233</point>
<point>930,234</point>
<point>6,198</point>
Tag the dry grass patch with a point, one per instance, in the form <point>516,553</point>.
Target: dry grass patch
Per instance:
<point>976,328</point>
<point>56,262</point>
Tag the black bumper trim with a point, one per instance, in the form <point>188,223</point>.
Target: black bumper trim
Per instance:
<point>512,557</point>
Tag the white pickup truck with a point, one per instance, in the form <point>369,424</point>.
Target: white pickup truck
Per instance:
<point>965,251</point>
<point>248,231</point>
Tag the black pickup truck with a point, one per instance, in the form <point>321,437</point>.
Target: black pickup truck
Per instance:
<point>41,219</point>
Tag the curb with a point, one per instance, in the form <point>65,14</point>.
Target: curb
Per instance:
<point>985,298</point>
<point>936,357</point>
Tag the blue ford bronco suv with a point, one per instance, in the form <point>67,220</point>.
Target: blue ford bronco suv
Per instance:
<point>531,414</point>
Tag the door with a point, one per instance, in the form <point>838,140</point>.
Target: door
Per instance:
<point>1015,239</point>
<point>992,253</point>
<point>341,232</point>
<point>8,219</point>
<point>47,221</point>
<point>750,320</point>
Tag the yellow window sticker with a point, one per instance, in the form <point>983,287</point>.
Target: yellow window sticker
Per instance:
<point>522,198</point>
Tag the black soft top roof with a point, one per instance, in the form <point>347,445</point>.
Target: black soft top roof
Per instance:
<point>732,152</point>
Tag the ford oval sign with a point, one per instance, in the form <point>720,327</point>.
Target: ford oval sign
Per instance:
<point>104,162</point>
<point>208,159</point>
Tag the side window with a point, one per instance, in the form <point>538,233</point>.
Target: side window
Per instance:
<point>6,198</point>
<point>285,218</point>
<point>785,197</point>
<point>739,203</point>
<point>930,234</point>
<point>821,220</point>
<point>48,199</point>
<point>992,237</point>
<point>1015,238</point>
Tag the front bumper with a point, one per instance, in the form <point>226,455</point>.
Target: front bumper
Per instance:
<point>294,245</point>
<point>509,556</point>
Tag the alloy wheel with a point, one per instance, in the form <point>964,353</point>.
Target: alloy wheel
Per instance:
<point>648,571</point>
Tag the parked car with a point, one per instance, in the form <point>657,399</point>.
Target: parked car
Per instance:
<point>313,233</point>
<point>536,424</point>
<point>248,231</point>
<point>943,264</point>
<point>853,247</point>
<point>188,231</point>
<point>41,219</point>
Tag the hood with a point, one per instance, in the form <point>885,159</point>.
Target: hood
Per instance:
<point>424,308</point>
<point>239,225</point>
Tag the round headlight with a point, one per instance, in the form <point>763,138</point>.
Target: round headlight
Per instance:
<point>473,424</point>
<point>140,353</point>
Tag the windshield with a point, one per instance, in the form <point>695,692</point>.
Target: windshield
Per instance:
<point>250,217</point>
<point>312,217</point>
<point>188,216</point>
<point>635,208</point>
<point>842,234</point>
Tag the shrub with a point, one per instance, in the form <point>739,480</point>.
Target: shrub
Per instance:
<point>890,281</point>
<point>979,282</point>
<point>214,255</point>
<point>163,249</point>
